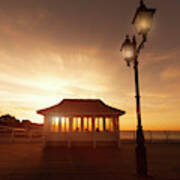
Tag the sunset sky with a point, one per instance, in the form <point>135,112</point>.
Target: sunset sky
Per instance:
<point>50,50</point>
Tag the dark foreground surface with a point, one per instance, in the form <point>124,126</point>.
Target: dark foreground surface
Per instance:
<point>29,161</point>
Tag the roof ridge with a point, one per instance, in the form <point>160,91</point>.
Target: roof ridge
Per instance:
<point>79,99</point>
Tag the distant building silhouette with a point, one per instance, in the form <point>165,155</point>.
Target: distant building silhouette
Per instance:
<point>11,121</point>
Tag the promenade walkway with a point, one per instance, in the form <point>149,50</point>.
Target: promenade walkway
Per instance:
<point>29,161</point>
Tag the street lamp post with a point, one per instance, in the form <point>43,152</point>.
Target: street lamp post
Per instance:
<point>130,51</point>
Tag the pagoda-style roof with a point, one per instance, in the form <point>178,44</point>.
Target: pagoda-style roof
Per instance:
<point>81,107</point>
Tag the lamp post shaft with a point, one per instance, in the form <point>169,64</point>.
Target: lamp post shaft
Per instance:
<point>138,106</point>
<point>141,161</point>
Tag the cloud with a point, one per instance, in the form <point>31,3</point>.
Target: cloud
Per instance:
<point>50,50</point>
<point>171,73</point>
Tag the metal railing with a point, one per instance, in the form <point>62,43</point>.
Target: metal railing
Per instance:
<point>152,136</point>
<point>12,135</point>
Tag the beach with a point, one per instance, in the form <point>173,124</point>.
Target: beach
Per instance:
<point>30,161</point>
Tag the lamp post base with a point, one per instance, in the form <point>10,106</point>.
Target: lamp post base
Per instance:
<point>141,162</point>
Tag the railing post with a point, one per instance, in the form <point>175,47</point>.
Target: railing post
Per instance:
<point>151,140</point>
<point>167,137</point>
<point>135,136</point>
<point>117,129</point>
<point>12,136</point>
<point>30,136</point>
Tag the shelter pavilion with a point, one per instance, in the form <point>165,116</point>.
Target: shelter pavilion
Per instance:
<point>81,122</point>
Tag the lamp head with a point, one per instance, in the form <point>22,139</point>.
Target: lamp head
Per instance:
<point>128,50</point>
<point>143,19</point>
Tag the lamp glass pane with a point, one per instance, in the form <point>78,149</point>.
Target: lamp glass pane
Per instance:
<point>143,22</point>
<point>128,52</point>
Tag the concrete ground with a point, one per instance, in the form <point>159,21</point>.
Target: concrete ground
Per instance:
<point>29,161</point>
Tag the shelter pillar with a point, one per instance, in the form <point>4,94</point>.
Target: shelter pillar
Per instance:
<point>70,124</point>
<point>104,124</point>
<point>65,124</point>
<point>46,129</point>
<point>70,131</point>
<point>60,124</point>
<point>82,124</point>
<point>49,123</point>
<point>88,123</point>
<point>93,132</point>
<point>114,124</point>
